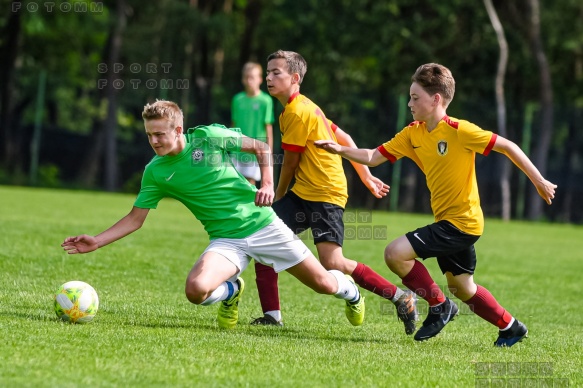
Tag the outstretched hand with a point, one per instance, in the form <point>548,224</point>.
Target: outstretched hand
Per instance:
<point>80,244</point>
<point>264,196</point>
<point>377,187</point>
<point>328,145</point>
<point>546,190</point>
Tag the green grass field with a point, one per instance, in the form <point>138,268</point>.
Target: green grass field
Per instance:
<point>147,334</point>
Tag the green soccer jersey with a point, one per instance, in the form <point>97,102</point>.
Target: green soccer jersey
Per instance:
<point>251,114</point>
<point>203,178</point>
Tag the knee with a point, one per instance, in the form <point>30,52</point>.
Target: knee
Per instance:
<point>454,289</point>
<point>391,256</point>
<point>195,292</point>
<point>335,263</point>
<point>460,291</point>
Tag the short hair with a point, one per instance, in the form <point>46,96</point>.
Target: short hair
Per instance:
<point>435,78</point>
<point>250,66</point>
<point>162,109</point>
<point>295,62</point>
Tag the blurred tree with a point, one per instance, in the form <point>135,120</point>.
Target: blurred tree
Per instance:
<point>9,47</point>
<point>501,105</point>
<point>110,123</point>
<point>361,54</point>
<point>40,32</point>
<point>541,150</point>
<point>527,17</point>
<point>252,10</point>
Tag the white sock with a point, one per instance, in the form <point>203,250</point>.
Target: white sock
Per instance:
<point>346,289</point>
<point>276,314</point>
<point>397,295</point>
<point>223,292</point>
<point>509,325</point>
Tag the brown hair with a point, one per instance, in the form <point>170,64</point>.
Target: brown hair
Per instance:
<point>162,109</point>
<point>295,62</point>
<point>435,78</point>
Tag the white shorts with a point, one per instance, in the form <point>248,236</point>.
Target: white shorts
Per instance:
<point>249,169</point>
<point>275,246</point>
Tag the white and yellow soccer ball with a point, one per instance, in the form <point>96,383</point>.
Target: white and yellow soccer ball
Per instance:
<point>76,302</point>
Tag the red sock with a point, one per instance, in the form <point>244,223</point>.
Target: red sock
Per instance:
<point>266,279</point>
<point>419,281</point>
<point>484,305</point>
<point>370,280</point>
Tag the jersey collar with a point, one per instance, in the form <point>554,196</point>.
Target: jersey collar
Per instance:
<point>293,96</point>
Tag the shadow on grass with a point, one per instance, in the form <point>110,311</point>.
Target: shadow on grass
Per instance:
<point>30,317</point>
<point>306,334</point>
<point>211,326</point>
<point>260,332</point>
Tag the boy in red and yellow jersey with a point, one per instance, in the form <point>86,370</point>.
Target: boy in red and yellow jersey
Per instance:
<point>444,148</point>
<point>319,194</point>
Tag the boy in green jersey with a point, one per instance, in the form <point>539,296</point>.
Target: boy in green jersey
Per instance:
<point>195,169</point>
<point>252,111</point>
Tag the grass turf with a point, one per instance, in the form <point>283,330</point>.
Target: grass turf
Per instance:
<point>146,333</point>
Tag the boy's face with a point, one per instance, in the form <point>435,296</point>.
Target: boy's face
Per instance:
<point>421,103</point>
<point>163,136</point>
<point>252,80</point>
<point>279,81</point>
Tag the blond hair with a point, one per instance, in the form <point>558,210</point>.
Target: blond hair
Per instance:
<point>162,109</point>
<point>250,66</point>
<point>435,78</point>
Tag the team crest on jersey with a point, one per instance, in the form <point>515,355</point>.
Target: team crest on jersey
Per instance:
<point>197,155</point>
<point>442,147</point>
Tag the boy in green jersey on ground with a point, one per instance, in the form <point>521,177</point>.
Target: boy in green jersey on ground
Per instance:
<point>195,169</point>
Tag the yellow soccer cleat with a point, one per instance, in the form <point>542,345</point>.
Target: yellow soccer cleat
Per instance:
<point>228,314</point>
<point>355,311</point>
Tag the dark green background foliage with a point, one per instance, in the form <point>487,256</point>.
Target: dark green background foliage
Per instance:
<point>360,54</point>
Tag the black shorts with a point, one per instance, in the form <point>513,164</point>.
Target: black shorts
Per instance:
<point>325,219</point>
<point>453,248</point>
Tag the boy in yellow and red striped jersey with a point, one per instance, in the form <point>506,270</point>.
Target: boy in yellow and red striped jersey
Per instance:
<point>318,197</point>
<point>445,148</point>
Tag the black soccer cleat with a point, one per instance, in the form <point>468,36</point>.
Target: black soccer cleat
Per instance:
<point>438,317</point>
<point>407,311</point>
<point>266,320</point>
<point>516,333</point>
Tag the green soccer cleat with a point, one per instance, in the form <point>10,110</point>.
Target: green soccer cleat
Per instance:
<point>355,311</point>
<point>228,314</point>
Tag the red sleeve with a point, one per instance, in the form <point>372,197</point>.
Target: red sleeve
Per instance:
<point>386,154</point>
<point>490,144</point>
<point>292,147</point>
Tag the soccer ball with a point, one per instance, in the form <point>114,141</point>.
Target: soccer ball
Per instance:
<point>76,302</point>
